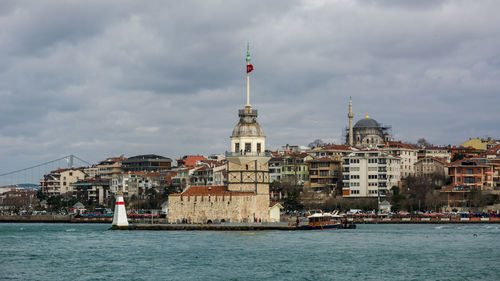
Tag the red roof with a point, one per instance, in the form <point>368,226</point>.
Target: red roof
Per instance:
<point>459,163</point>
<point>439,159</point>
<point>336,147</point>
<point>399,144</point>
<point>190,161</point>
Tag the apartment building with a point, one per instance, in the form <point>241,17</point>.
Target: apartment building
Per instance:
<point>325,173</point>
<point>406,152</point>
<point>369,173</point>
<point>58,182</point>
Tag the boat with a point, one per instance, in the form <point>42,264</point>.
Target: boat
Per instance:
<point>324,221</point>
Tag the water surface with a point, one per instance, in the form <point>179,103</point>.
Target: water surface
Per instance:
<point>371,252</point>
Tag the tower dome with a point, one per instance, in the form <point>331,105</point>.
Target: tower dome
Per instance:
<point>248,125</point>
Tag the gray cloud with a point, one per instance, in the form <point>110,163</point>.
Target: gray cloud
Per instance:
<point>98,79</point>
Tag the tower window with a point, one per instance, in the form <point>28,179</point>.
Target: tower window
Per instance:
<point>258,147</point>
<point>237,147</point>
<point>248,147</point>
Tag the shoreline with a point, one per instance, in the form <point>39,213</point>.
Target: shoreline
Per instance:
<point>142,221</point>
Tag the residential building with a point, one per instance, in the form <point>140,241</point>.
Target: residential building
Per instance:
<point>325,173</point>
<point>190,161</point>
<point>275,168</point>
<point>109,168</point>
<point>480,144</point>
<point>435,151</point>
<point>58,182</point>
<point>472,173</point>
<point>406,152</point>
<point>429,166</point>
<point>95,190</point>
<point>135,183</point>
<point>330,150</point>
<point>370,173</point>
<point>181,179</point>
<point>18,199</point>
<point>295,167</point>
<point>147,163</point>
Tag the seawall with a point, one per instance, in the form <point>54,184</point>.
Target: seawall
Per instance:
<point>70,219</point>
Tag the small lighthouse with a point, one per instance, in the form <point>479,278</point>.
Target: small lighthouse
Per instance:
<point>120,215</point>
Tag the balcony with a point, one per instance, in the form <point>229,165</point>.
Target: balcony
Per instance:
<point>248,154</point>
<point>245,112</point>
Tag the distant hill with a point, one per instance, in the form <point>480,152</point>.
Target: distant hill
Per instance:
<point>24,185</point>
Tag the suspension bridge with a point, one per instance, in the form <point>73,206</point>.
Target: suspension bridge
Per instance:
<point>31,176</point>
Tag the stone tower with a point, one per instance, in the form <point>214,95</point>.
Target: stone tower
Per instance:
<point>247,162</point>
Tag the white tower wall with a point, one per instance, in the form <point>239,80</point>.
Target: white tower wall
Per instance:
<point>120,215</point>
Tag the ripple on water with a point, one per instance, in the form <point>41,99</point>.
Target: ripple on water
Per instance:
<point>371,252</point>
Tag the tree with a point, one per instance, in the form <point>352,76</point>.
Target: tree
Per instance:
<point>40,195</point>
<point>423,142</point>
<point>421,191</point>
<point>457,156</point>
<point>316,143</point>
<point>397,200</point>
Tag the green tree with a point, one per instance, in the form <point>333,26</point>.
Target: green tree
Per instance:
<point>457,156</point>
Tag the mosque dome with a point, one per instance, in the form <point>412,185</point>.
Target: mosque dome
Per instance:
<point>248,125</point>
<point>367,123</point>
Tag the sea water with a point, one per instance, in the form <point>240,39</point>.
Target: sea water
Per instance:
<point>370,252</point>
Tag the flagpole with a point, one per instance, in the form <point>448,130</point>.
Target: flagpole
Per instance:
<point>248,76</point>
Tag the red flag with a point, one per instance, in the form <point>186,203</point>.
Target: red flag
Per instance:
<point>249,68</point>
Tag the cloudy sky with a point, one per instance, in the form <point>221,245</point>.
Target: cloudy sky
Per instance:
<point>104,78</point>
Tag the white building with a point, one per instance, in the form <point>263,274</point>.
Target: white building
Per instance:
<point>369,173</point>
<point>436,151</point>
<point>134,183</point>
<point>58,181</point>
<point>275,168</point>
<point>407,153</point>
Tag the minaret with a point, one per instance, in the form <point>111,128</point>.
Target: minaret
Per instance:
<point>351,116</point>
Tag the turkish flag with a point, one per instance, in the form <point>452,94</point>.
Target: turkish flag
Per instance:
<point>249,68</point>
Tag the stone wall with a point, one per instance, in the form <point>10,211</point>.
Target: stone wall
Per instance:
<point>201,209</point>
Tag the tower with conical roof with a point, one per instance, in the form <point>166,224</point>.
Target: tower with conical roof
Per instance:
<point>248,169</point>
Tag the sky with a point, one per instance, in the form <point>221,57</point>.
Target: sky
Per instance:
<point>105,78</point>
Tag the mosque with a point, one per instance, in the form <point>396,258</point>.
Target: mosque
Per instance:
<point>366,132</point>
<point>246,196</point>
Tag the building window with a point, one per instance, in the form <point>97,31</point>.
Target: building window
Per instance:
<point>258,147</point>
<point>248,147</point>
<point>237,147</point>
